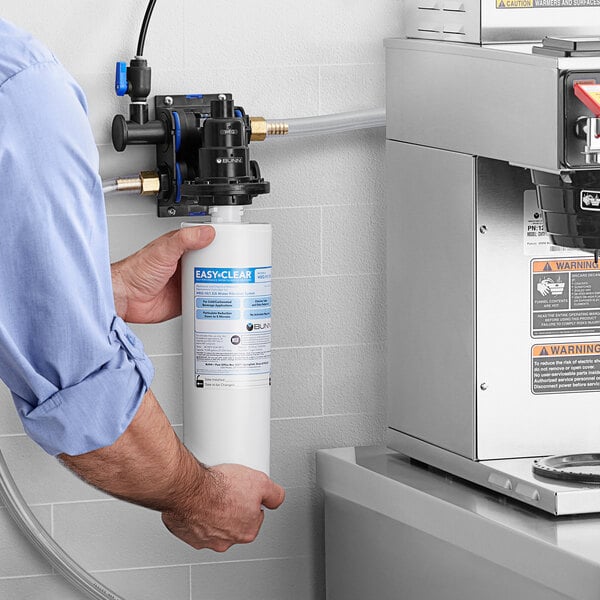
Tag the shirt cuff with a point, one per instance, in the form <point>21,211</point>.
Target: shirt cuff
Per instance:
<point>93,413</point>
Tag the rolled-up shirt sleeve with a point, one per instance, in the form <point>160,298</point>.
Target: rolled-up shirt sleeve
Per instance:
<point>76,371</point>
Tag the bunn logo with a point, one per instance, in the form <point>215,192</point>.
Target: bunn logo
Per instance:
<point>230,160</point>
<point>590,200</point>
<point>257,326</point>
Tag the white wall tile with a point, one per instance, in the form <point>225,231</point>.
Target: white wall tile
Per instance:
<point>351,87</point>
<point>353,240</point>
<point>172,583</point>
<point>296,239</point>
<point>286,578</point>
<point>354,379</point>
<point>40,477</point>
<point>336,169</point>
<point>294,442</point>
<point>289,33</point>
<point>313,311</point>
<point>164,338</point>
<point>17,556</point>
<point>88,36</point>
<point>48,587</point>
<point>297,382</point>
<point>167,386</point>
<point>9,419</point>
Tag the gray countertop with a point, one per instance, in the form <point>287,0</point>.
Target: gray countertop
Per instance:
<point>562,553</point>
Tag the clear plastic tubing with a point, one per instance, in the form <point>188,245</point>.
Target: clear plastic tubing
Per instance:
<point>335,123</point>
<point>21,514</point>
<point>109,186</point>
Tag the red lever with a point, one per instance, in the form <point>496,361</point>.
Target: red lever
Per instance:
<point>588,91</point>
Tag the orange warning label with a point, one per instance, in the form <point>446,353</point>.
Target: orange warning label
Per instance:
<point>580,349</point>
<point>571,264</point>
<point>559,368</point>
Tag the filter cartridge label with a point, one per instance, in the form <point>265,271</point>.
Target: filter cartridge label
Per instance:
<point>232,326</point>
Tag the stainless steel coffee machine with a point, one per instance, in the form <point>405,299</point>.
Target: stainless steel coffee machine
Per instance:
<point>493,232</point>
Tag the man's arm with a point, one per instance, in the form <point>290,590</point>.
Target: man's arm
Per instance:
<point>148,465</point>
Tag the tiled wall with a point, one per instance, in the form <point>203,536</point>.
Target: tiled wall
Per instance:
<point>280,59</point>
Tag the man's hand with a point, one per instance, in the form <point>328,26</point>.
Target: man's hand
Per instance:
<point>147,284</point>
<point>205,507</point>
<point>233,515</point>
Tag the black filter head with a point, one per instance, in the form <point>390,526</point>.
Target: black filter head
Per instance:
<point>570,203</point>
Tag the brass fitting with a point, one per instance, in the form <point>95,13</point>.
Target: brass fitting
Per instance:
<point>150,182</point>
<point>279,128</point>
<point>147,183</point>
<point>261,129</point>
<point>128,184</point>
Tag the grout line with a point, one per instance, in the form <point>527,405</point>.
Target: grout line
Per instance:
<point>361,205</point>
<point>32,576</point>
<point>319,89</point>
<point>322,380</point>
<point>317,346</point>
<point>323,416</point>
<point>214,562</point>
<point>329,275</point>
<point>87,501</point>
<point>322,255</point>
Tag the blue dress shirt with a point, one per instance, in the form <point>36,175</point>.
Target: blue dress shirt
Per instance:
<point>76,371</point>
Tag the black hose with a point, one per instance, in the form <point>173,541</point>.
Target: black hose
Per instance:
<point>144,28</point>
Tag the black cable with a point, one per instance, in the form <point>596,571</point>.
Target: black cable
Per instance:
<point>144,28</point>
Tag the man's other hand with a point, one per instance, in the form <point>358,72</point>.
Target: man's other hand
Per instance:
<point>227,510</point>
<point>147,284</point>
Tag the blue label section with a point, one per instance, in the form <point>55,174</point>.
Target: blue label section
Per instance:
<point>257,302</point>
<point>217,303</point>
<point>216,275</point>
<point>258,314</point>
<point>218,315</point>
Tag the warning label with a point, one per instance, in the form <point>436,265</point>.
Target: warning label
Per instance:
<point>546,3</point>
<point>565,297</point>
<point>559,368</point>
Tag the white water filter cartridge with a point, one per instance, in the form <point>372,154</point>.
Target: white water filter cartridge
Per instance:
<point>226,309</point>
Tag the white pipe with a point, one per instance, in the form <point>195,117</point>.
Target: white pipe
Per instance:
<point>32,529</point>
<point>335,123</point>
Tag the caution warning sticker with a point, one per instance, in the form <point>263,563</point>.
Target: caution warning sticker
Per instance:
<point>565,297</point>
<point>546,3</point>
<point>559,368</point>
